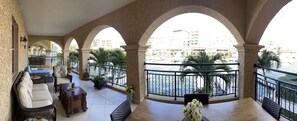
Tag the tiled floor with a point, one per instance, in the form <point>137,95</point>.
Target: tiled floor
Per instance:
<point>100,103</point>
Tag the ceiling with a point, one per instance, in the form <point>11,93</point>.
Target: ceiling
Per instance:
<point>59,17</point>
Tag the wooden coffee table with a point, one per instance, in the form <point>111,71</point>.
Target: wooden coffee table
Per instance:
<point>73,100</point>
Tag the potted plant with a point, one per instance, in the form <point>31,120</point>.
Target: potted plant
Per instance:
<point>192,111</point>
<point>129,91</point>
<point>99,82</point>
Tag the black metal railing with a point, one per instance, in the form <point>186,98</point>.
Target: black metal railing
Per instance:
<point>113,71</point>
<point>168,80</point>
<point>281,89</point>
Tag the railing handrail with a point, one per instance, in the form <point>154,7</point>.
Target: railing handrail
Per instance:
<point>275,79</point>
<point>270,69</point>
<point>116,61</point>
<point>200,64</point>
<point>202,71</point>
<point>280,91</point>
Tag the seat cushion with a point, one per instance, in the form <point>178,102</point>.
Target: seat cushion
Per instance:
<point>39,87</point>
<point>26,86</point>
<point>41,95</point>
<point>40,71</point>
<point>60,71</point>
<point>24,96</point>
<point>38,104</point>
<point>28,81</point>
<point>62,80</point>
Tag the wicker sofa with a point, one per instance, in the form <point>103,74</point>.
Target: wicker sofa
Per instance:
<point>61,76</point>
<point>32,100</point>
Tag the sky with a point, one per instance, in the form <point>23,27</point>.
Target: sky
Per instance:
<point>283,27</point>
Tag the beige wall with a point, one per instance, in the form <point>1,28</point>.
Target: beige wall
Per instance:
<point>57,39</point>
<point>9,8</point>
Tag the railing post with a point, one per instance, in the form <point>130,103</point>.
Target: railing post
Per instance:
<point>147,83</point>
<point>112,78</point>
<point>256,83</point>
<point>278,91</point>
<point>174,85</point>
<point>235,84</point>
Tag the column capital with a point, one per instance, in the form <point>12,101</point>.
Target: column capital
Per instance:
<point>135,47</point>
<point>248,48</point>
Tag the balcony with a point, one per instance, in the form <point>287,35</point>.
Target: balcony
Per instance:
<point>170,85</point>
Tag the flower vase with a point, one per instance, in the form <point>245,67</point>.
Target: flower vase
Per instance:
<point>129,97</point>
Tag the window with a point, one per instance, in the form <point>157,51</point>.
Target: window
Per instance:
<point>14,47</point>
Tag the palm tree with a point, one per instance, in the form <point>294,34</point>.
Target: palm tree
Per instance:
<point>267,59</point>
<point>203,58</point>
<point>100,57</point>
<point>118,58</point>
<point>73,58</point>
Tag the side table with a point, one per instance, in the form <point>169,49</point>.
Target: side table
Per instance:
<point>37,79</point>
<point>74,100</point>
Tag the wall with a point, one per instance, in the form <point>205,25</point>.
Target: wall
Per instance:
<point>9,8</point>
<point>56,39</point>
<point>138,16</point>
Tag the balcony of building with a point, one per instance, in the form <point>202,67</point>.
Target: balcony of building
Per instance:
<point>23,26</point>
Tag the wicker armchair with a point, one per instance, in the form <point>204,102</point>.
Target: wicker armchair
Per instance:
<point>203,98</point>
<point>22,113</point>
<point>61,76</point>
<point>121,112</point>
<point>271,107</point>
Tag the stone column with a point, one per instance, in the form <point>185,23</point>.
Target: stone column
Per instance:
<point>48,60</point>
<point>65,56</point>
<point>84,54</point>
<point>135,70</point>
<point>248,56</point>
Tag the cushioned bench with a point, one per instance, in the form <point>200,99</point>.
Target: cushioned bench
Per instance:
<point>37,72</point>
<point>33,100</point>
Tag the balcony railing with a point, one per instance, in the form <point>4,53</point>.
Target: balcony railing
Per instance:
<point>281,90</point>
<point>168,80</point>
<point>116,75</point>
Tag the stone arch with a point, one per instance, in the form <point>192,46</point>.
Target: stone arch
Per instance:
<point>40,43</point>
<point>187,9</point>
<point>88,41</point>
<point>262,18</point>
<point>68,42</point>
<point>43,45</point>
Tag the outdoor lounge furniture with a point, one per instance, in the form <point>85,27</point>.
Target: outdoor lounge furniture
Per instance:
<point>203,98</point>
<point>74,99</point>
<point>121,112</point>
<point>271,107</point>
<point>32,101</point>
<point>61,76</point>
<point>37,71</point>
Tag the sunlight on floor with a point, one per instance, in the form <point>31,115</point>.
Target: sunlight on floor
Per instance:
<point>100,103</point>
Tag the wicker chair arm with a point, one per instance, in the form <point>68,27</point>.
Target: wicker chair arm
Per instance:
<point>48,107</point>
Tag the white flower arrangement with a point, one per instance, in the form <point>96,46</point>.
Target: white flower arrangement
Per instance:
<point>191,110</point>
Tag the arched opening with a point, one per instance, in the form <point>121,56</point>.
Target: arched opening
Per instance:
<point>44,54</point>
<point>72,59</point>
<point>108,58</point>
<point>197,39</point>
<point>278,61</point>
<point>188,9</point>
